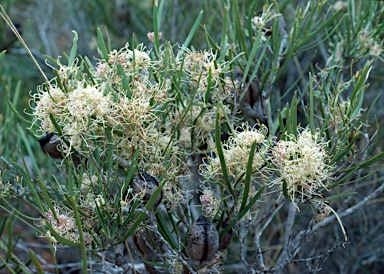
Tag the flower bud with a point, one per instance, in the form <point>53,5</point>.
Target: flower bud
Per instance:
<point>203,242</point>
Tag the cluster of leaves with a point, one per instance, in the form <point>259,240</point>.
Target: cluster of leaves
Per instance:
<point>159,112</point>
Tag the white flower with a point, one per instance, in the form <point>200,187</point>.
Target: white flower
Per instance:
<point>236,154</point>
<point>302,163</point>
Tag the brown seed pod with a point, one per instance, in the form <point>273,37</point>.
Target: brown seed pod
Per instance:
<point>50,144</point>
<point>145,185</point>
<point>203,242</point>
<point>227,237</point>
<point>251,104</point>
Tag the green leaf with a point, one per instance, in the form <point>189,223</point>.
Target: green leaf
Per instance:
<point>367,163</point>
<point>29,147</point>
<point>243,212</point>
<point>292,117</point>
<point>285,189</point>
<point>251,203</point>
<point>362,78</point>
<point>14,110</point>
<point>224,37</point>
<point>220,153</point>
<point>256,46</point>
<point>305,40</point>
<point>6,264</point>
<point>240,38</point>
<point>160,13</point>
<point>131,171</point>
<point>59,83</point>
<point>193,30</point>
<point>103,222</point>
<point>47,197</point>
<point>157,16</point>
<point>30,184</point>
<point>165,232</point>
<point>36,263</point>
<point>9,231</point>
<point>143,215</point>
<point>81,234</point>
<point>124,81</point>
<point>89,69</point>
<point>3,224</point>
<point>282,125</point>
<point>248,174</point>
<point>311,106</point>
<point>359,104</point>
<point>2,54</point>
<point>73,50</point>
<point>59,238</point>
<point>102,46</point>
<point>209,85</point>
<point>210,41</point>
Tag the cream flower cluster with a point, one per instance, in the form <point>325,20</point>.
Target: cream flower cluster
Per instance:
<point>121,97</point>
<point>202,70</point>
<point>210,204</point>
<point>90,203</point>
<point>78,111</point>
<point>64,225</point>
<point>202,74</point>
<point>301,163</point>
<point>236,154</point>
<point>366,42</point>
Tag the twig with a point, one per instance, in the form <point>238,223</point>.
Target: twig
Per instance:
<point>119,258</point>
<point>130,256</point>
<point>288,230</point>
<point>242,245</point>
<point>259,253</point>
<point>270,214</point>
<point>353,208</point>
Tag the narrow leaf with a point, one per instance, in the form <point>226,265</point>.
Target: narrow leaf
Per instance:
<point>367,163</point>
<point>193,30</point>
<point>247,182</point>
<point>36,263</point>
<point>102,46</point>
<point>243,212</point>
<point>73,50</point>
<point>2,54</point>
<point>220,153</point>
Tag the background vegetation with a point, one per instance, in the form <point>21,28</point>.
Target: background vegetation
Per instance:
<point>329,44</point>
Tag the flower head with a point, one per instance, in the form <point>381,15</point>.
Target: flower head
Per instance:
<point>202,70</point>
<point>64,224</point>
<point>301,163</point>
<point>209,202</point>
<point>236,154</point>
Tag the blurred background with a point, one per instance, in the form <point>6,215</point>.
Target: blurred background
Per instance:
<point>46,27</point>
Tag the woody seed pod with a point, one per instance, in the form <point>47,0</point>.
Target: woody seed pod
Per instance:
<point>145,185</point>
<point>251,104</point>
<point>226,239</point>
<point>51,145</point>
<point>203,242</point>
